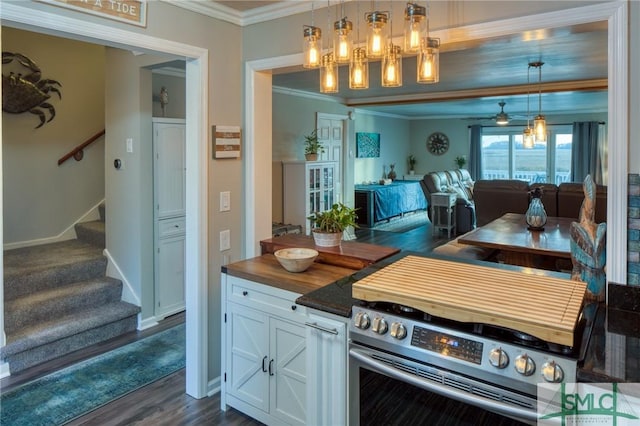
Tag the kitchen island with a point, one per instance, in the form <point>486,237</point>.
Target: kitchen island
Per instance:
<point>316,308</point>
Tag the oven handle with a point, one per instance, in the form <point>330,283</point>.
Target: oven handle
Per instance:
<point>488,404</point>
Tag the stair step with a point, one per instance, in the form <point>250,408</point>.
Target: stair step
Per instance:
<point>92,232</point>
<point>41,306</point>
<point>60,336</point>
<point>31,269</point>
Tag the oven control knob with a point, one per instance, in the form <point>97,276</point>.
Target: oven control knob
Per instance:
<point>398,330</point>
<point>362,320</point>
<point>525,365</point>
<point>552,372</point>
<point>379,325</point>
<point>498,358</point>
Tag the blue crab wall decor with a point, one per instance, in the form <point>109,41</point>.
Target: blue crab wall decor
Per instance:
<point>27,92</point>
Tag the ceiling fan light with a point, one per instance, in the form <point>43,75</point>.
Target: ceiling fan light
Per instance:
<point>376,34</point>
<point>540,128</point>
<point>311,48</point>
<point>415,27</point>
<point>502,119</point>
<point>359,69</point>
<point>528,137</point>
<point>428,63</point>
<point>328,74</point>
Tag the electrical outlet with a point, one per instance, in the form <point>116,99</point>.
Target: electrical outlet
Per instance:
<point>225,201</point>
<point>225,240</point>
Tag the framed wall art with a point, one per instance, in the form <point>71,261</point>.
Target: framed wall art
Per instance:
<point>226,141</point>
<point>367,145</point>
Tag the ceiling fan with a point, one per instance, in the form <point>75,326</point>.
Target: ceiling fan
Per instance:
<point>501,118</point>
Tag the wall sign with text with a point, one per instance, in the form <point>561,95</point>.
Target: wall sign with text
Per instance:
<point>129,11</point>
<point>226,141</point>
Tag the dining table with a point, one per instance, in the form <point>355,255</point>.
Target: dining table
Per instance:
<point>548,248</point>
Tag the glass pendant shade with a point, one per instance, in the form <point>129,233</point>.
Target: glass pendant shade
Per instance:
<point>429,61</point>
<point>415,27</point>
<point>328,74</point>
<point>392,67</point>
<point>376,34</point>
<point>359,69</point>
<point>540,128</point>
<point>528,138</point>
<point>342,43</point>
<point>311,47</point>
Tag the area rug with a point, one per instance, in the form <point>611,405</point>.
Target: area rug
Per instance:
<point>76,390</point>
<point>403,224</point>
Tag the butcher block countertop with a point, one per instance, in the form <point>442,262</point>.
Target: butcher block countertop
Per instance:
<point>265,269</point>
<point>545,307</point>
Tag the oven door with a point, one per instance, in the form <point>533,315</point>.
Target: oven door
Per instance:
<point>378,387</point>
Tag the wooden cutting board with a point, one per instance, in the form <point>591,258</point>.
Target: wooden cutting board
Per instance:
<point>543,306</point>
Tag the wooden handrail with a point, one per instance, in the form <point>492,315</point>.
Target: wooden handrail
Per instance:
<point>77,151</point>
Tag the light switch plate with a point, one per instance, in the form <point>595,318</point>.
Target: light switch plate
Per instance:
<point>225,201</point>
<point>225,240</point>
<point>129,145</point>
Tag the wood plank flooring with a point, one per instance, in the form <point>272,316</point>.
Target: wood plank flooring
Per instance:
<point>165,402</point>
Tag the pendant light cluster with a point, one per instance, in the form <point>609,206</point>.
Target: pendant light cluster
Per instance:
<point>378,45</point>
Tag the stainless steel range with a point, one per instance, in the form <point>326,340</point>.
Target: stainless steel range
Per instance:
<point>484,364</point>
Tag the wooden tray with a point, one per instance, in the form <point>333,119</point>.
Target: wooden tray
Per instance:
<point>543,306</point>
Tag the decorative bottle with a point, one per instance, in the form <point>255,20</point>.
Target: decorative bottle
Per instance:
<point>392,173</point>
<point>536,216</point>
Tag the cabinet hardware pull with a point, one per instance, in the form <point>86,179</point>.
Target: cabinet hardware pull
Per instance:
<point>264,367</point>
<point>321,328</point>
<point>271,367</point>
<point>244,293</point>
<point>294,307</point>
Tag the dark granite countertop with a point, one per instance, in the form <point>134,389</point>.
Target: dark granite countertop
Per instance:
<point>613,353</point>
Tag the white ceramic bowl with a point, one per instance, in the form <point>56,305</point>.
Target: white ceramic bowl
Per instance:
<point>296,259</point>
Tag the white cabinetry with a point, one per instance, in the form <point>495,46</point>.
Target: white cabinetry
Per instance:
<point>326,369</point>
<point>264,359</point>
<point>308,187</point>
<point>169,215</point>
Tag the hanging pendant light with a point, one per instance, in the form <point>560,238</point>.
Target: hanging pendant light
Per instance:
<point>415,27</point>
<point>359,69</point>
<point>312,48</point>
<point>376,34</point>
<point>428,62</point>
<point>359,65</point>
<point>392,67</point>
<point>342,43</point>
<point>527,134</point>
<point>328,74</point>
<point>539,122</point>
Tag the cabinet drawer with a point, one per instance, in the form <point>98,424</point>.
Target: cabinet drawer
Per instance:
<point>171,227</point>
<point>263,297</point>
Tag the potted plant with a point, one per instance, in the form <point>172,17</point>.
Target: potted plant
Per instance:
<point>328,226</point>
<point>460,161</point>
<point>312,146</point>
<point>412,164</point>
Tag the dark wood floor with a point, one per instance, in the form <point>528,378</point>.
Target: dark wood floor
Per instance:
<point>164,402</point>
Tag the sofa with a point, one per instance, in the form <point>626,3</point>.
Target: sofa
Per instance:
<point>493,198</point>
<point>460,183</point>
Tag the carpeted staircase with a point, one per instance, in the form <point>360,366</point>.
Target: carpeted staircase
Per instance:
<point>57,299</point>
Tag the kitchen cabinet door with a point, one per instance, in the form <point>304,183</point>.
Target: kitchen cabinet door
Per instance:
<point>247,363</point>
<point>327,359</point>
<point>288,370</point>
<point>169,276</point>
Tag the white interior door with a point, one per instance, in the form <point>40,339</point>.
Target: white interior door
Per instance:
<point>331,130</point>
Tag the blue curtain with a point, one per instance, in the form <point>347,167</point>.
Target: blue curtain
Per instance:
<point>585,152</point>
<point>475,151</point>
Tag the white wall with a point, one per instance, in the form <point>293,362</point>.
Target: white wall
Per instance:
<point>42,199</point>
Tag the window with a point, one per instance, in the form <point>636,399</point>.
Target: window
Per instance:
<point>504,157</point>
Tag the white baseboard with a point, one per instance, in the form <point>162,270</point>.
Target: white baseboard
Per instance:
<point>128,294</point>
<point>4,370</point>
<point>143,324</point>
<point>213,387</point>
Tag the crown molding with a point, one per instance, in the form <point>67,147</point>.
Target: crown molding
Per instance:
<point>308,95</point>
<point>249,17</point>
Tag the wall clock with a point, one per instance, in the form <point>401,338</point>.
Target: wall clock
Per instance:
<point>437,143</point>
